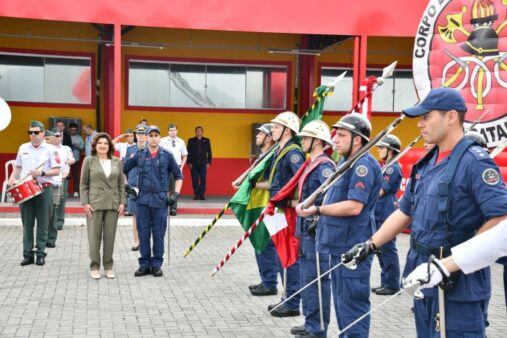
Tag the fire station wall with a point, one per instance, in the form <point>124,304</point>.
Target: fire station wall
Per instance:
<point>228,129</point>
<point>12,137</point>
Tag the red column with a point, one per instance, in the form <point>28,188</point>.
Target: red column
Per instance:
<point>306,78</point>
<point>360,62</point>
<point>112,84</point>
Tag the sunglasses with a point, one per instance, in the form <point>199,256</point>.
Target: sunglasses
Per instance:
<point>174,143</point>
<point>34,132</point>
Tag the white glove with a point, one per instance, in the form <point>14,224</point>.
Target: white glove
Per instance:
<point>419,277</point>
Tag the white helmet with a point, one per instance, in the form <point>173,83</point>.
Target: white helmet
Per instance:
<point>288,119</point>
<point>317,129</point>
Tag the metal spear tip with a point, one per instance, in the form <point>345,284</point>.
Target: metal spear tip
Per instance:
<point>337,79</point>
<point>388,71</point>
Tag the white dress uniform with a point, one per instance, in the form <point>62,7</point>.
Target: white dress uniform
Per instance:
<point>175,146</point>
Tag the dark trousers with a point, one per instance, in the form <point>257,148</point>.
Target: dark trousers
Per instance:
<point>151,226</point>
<point>268,268</point>
<point>292,284</point>
<point>172,185</point>
<point>75,172</point>
<point>199,179</point>
<point>39,207</point>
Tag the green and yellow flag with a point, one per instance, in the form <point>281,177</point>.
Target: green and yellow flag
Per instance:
<point>247,204</point>
<point>317,108</point>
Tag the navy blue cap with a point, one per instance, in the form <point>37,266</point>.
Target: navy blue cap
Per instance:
<point>153,128</point>
<point>438,99</point>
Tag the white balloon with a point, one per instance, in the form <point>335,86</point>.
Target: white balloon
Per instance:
<point>5,114</point>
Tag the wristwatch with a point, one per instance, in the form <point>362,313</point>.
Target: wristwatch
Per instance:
<point>42,173</point>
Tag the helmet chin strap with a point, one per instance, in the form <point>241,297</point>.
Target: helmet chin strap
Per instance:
<point>311,145</point>
<point>351,144</point>
<point>281,135</point>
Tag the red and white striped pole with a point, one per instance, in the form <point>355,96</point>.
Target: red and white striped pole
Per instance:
<point>242,239</point>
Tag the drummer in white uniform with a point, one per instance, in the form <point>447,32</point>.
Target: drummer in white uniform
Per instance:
<point>38,160</point>
<point>60,186</point>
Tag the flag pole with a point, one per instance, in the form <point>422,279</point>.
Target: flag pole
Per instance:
<point>206,230</point>
<point>239,243</point>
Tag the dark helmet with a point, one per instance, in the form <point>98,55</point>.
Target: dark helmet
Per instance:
<point>477,137</point>
<point>391,142</point>
<point>355,123</point>
<point>266,128</point>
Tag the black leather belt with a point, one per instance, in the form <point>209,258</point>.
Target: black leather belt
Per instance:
<point>427,251</point>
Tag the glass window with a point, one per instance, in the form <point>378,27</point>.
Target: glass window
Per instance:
<point>341,99</point>
<point>45,79</point>
<point>397,92</point>
<point>194,85</point>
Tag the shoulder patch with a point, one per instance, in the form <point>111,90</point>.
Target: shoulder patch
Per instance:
<point>490,176</point>
<point>361,171</point>
<point>294,158</point>
<point>326,172</point>
<point>389,170</point>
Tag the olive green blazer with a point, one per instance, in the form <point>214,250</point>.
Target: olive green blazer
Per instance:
<point>101,192</point>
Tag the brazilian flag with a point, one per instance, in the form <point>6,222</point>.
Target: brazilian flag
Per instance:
<point>316,110</point>
<point>247,204</point>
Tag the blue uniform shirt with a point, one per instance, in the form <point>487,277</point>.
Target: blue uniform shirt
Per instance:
<point>477,195</point>
<point>388,203</point>
<point>313,181</point>
<point>132,175</point>
<point>286,168</point>
<point>153,176</point>
<point>360,183</point>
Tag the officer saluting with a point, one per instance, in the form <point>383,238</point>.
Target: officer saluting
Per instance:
<point>154,166</point>
<point>38,159</point>
<point>446,207</point>
<point>387,203</point>
<point>315,135</point>
<point>346,217</point>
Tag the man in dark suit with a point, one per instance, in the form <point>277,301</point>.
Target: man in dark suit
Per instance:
<point>66,139</point>
<point>199,159</point>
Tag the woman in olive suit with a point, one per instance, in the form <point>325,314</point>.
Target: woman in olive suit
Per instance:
<point>102,192</point>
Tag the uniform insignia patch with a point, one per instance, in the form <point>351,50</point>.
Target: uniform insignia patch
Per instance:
<point>359,185</point>
<point>294,159</point>
<point>361,171</point>
<point>326,172</point>
<point>389,170</point>
<point>490,176</point>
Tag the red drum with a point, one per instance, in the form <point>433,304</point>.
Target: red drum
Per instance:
<point>24,190</point>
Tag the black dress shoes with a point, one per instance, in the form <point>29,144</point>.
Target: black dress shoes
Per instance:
<point>263,291</point>
<point>386,291</point>
<point>40,261</point>
<point>135,248</point>
<point>255,286</point>
<point>27,261</point>
<point>298,329</point>
<point>284,311</point>
<point>173,212</point>
<point>50,245</point>
<point>376,288</point>
<point>157,272</point>
<point>142,272</point>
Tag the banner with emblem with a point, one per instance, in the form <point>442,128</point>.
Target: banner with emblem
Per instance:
<point>462,44</point>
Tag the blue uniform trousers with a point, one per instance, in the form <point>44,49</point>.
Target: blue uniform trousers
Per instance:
<point>351,295</point>
<point>310,296</point>
<point>199,179</point>
<point>389,263</point>
<point>151,224</point>
<point>267,263</point>
<point>292,284</point>
<point>462,319</point>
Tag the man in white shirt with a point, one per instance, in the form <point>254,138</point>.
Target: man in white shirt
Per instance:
<point>121,147</point>
<point>175,146</point>
<point>40,161</point>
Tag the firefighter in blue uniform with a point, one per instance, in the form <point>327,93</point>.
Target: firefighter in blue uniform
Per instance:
<point>346,217</point>
<point>154,166</point>
<point>285,163</point>
<point>315,135</point>
<point>446,207</point>
<point>387,203</point>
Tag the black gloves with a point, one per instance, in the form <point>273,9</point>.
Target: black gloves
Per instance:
<point>312,228</point>
<point>173,199</point>
<point>131,192</point>
<point>358,254</point>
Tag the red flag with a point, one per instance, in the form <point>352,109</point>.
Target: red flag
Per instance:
<point>281,226</point>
